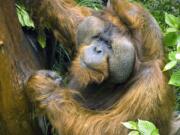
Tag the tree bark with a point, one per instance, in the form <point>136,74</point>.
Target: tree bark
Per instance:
<point>17,61</point>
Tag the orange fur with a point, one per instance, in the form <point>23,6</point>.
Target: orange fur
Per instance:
<point>146,95</point>
<point>86,76</point>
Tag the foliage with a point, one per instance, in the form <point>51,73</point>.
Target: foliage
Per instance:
<point>141,128</point>
<point>172,41</point>
<point>157,8</point>
<point>62,61</point>
<point>26,21</point>
<point>95,4</point>
<point>42,38</point>
<point>23,17</point>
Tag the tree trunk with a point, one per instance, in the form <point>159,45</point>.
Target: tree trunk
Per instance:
<point>17,61</point>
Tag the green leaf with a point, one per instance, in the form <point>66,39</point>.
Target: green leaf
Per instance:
<point>171,30</point>
<point>178,56</point>
<point>95,4</point>
<point>172,20</point>
<point>134,133</point>
<point>24,17</point>
<point>21,20</point>
<point>155,132</point>
<point>171,39</point>
<point>170,65</point>
<point>27,21</point>
<point>146,127</point>
<point>175,78</point>
<point>178,46</point>
<point>42,39</point>
<point>172,55</point>
<point>130,125</point>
